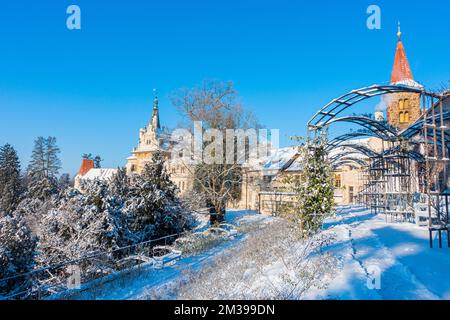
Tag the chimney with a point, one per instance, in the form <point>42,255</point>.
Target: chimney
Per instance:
<point>86,165</point>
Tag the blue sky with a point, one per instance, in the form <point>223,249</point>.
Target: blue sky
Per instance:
<point>92,88</point>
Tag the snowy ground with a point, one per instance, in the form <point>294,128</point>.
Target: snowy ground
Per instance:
<point>363,246</point>
<point>139,284</point>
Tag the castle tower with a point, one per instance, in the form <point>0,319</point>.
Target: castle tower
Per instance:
<point>149,142</point>
<point>402,108</point>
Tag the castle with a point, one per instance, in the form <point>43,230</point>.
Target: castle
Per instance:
<point>262,180</point>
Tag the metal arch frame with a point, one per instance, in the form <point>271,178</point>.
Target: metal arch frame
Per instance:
<point>346,155</point>
<point>380,129</point>
<point>338,105</point>
<point>413,155</point>
<point>346,160</point>
<point>360,148</point>
<point>417,127</point>
<point>351,136</point>
<point>342,163</point>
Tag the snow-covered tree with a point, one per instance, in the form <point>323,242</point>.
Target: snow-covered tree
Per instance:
<point>218,106</point>
<point>43,168</point>
<point>314,191</point>
<point>10,181</point>
<point>153,204</point>
<point>120,183</point>
<point>98,162</point>
<point>64,181</point>
<point>17,250</point>
<point>81,224</point>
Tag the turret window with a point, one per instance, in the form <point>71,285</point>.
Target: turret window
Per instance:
<point>403,106</point>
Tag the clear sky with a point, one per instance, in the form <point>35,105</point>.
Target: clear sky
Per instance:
<point>92,88</point>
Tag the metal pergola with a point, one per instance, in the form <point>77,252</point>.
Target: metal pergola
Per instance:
<point>413,164</point>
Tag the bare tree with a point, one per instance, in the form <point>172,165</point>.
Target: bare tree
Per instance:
<point>217,106</point>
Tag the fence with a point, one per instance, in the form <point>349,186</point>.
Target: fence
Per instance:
<point>54,279</point>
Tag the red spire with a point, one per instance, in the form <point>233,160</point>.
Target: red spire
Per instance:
<point>401,70</point>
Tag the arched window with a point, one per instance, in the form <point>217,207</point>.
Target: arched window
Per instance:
<point>406,117</point>
<point>401,117</point>
<point>405,104</point>
<point>401,104</point>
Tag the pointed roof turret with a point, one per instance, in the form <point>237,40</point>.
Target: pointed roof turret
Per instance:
<point>155,116</point>
<point>401,71</point>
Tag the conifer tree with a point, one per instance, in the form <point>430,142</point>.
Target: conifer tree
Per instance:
<point>10,181</point>
<point>153,204</point>
<point>64,181</point>
<point>314,191</point>
<point>17,250</point>
<point>120,184</point>
<point>43,168</point>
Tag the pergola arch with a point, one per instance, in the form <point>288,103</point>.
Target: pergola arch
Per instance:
<point>338,105</point>
<point>378,128</point>
<point>347,160</point>
<point>358,148</point>
<point>387,175</point>
<point>352,136</point>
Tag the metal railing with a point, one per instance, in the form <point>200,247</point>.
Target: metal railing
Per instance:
<point>52,279</point>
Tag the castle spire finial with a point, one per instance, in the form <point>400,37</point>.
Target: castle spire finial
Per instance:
<point>399,32</point>
<point>155,100</point>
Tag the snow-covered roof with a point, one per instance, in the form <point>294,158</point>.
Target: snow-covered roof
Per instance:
<point>409,83</point>
<point>99,173</point>
<point>277,160</point>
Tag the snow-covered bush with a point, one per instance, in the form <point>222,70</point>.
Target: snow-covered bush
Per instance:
<point>17,249</point>
<point>80,225</point>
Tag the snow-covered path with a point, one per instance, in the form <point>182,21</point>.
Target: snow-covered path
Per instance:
<point>366,245</point>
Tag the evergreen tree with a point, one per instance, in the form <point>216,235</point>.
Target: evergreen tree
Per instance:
<point>120,184</point>
<point>10,180</point>
<point>64,181</point>
<point>43,168</point>
<point>81,224</point>
<point>17,247</point>
<point>314,191</point>
<point>98,162</point>
<point>153,206</point>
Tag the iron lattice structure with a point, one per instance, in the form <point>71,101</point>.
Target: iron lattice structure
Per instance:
<point>408,179</point>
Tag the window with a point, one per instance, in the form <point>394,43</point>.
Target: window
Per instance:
<point>406,116</point>
<point>403,106</point>
<point>133,168</point>
<point>350,194</point>
<point>337,181</point>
